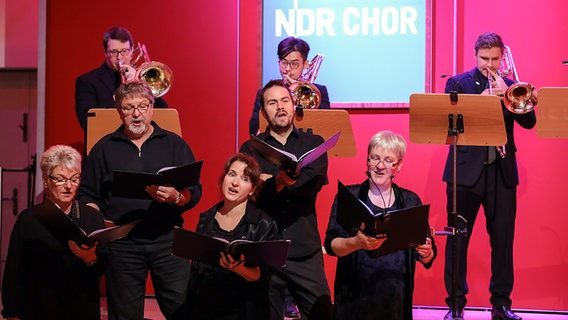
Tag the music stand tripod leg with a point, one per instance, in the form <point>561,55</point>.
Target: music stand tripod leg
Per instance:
<point>455,216</point>
<point>453,231</point>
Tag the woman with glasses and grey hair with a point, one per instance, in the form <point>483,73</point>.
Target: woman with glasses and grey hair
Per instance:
<point>48,276</point>
<point>368,287</point>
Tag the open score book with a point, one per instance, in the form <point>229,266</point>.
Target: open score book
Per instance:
<point>62,227</point>
<point>130,184</point>
<point>203,248</point>
<point>288,161</point>
<point>404,228</point>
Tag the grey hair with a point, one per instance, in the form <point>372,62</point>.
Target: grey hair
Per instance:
<point>60,155</point>
<point>133,88</point>
<point>388,140</point>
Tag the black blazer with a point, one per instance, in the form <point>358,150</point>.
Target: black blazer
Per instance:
<point>470,159</point>
<point>95,89</point>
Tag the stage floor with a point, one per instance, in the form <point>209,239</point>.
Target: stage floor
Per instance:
<point>429,313</point>
<point>152,312</point>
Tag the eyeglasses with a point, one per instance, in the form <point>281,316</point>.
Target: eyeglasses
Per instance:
<point>62,181</point>
<point>123,52</point>
<point>293,65</point>
<point>143,108</point>
<point>388,163</point>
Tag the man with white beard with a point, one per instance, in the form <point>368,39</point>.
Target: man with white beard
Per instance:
<point>140,145</point>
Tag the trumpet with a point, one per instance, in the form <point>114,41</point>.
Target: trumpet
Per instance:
<point>305,93</point>
<point>521,96</point>
<point>156,74</point>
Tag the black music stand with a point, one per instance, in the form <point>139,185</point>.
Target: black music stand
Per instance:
<point>552,110</point>
<point>457,119</point>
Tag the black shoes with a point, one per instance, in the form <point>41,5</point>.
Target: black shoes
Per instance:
<point>503,313</point>
<point>497,313</point>
<point>458,316</point>
<point>291,310</point>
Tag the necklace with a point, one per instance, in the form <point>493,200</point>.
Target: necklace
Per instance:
<point>386,205</point>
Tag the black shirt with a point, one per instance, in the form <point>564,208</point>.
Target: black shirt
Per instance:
<point>294,207</point>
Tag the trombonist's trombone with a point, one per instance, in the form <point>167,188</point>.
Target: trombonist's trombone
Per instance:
<point>520,97</point>
<point>501,149</point>
<point>305,93</point>
<point>156,74</point>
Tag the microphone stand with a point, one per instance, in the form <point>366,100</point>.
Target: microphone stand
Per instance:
<point>31,179</point>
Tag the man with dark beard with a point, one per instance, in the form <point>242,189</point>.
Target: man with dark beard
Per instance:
<point>291,202</point>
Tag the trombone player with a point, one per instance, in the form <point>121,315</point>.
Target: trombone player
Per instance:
<point>485,176</point>
<point>292,61</point>
<point>95,89</point>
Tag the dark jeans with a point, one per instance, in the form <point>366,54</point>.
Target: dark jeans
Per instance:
<point>126,274</point>
<point>500,207</point>
<point>306,281</point>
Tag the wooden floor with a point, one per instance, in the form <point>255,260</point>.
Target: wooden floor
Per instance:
<point>152,312</point>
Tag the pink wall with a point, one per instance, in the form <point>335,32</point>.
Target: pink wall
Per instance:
<point>198,40</point>
<point>18,30</point>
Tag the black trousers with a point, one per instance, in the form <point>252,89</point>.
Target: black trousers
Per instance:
<point>500,206</point>
<point>126,274</point>
<point>306,281</point>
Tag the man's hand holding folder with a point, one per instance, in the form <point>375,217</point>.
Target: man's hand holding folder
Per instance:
<point>129,184</point>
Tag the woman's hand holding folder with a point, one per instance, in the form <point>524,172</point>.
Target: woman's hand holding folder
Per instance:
<point>87,254</point>
<point>369,242</point>
<point>237,266</point>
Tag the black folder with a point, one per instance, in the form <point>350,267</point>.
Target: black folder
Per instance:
<point>404,228</point>
<point>129,184</point>
<point>287,161</point>
<point>61,226</point>
<point>203,248</point>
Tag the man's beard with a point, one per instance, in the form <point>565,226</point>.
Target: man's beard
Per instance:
<point>279,125</point>
<point>138,130</point>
